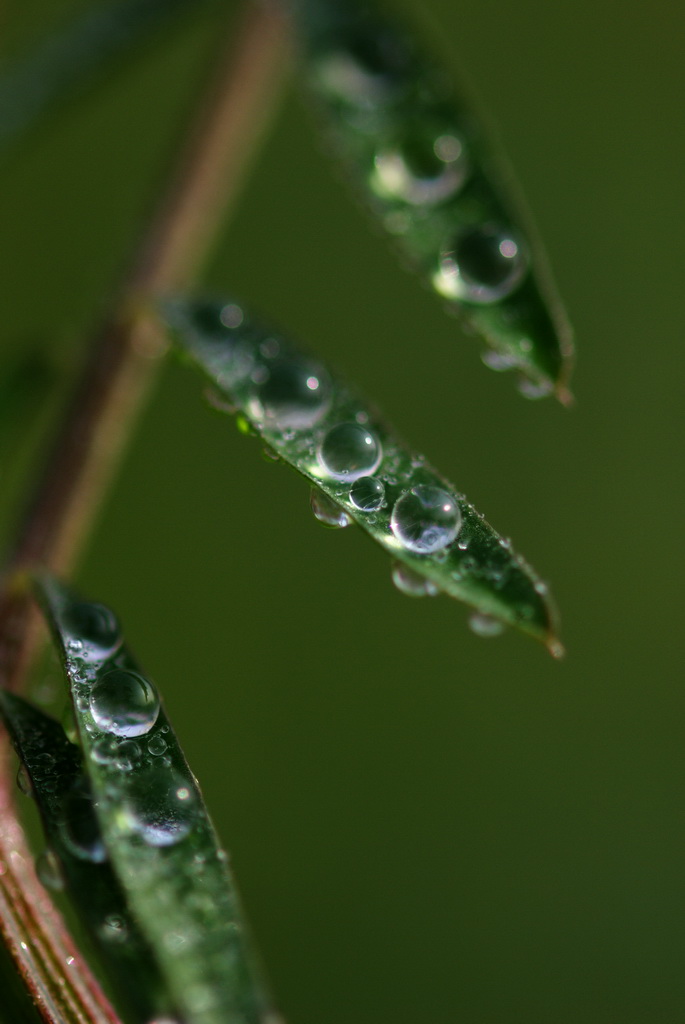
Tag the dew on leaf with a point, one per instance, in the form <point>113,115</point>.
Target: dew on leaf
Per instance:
<point>93,631</point>
<point>485,625</point>
<point>367,493</point>
<point>124,703</point>
<point>425,519</point>
<point>290,392</point>
<point>161,806</point>
<point>49,870</point>
<point>328,511</point>
<point>423,171</point>
<point>484,264</point>
<point>411,583</point>
<point>349,451</point>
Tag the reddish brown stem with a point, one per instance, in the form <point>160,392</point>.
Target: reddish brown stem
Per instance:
<point>117,375</point>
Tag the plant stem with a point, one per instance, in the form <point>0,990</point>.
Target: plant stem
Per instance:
<point>119,369</point>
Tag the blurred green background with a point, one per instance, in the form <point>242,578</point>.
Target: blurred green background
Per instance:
<point>426,826</point>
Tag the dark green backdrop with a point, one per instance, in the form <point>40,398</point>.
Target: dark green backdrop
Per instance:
<point>426,826</point>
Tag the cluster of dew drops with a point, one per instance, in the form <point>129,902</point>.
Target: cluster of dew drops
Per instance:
<point>421,161</point>
<point>120,709</point>
<point>287,396</point>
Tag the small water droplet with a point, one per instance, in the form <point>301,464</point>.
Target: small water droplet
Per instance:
<point>328,511</point>
<point>485,625</point>
<point>162,806</point>
<point>412,583</point>
<point>534,390</point>
<point>24,781</point>
<point>219,401</point>
<point>425,519</point>
<point>349,451</point>
<point>483,265</point>
<point>122,754</point>
<point>49,870</point>
<point>113,929</point>
<point>500,362</point>
<point>422,171</point>
<point>124,703</point>
<point>269,455</point>
<point>367,493</point>
<point>369,68</point>
<point>231,316</point>
<point>157,745</point>
<point>294,393</point>
<point>80,826</point>
<point>94,631</point>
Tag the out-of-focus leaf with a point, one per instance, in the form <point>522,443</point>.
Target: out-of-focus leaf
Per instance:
<point>421,162</point>
<point>312,420</point>
<point>154,827</point>
<point>53,773</point>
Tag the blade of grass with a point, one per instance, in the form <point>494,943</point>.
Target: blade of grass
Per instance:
<point>313,421</point>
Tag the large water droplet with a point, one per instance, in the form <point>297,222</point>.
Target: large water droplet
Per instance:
<point>485,264</point>
<point>367,493</point>
<point>124,703</point>
<point>423,171</point>
<point>290,393</point>
<point>49,870</point>
<point>349,451</point>
<point>80,826</point>
<point>328,511</point>
<point>412,583</point>
<point>426,519</point>
<point>94,628</point>
<point>485,625</point>
<point>162,806</point>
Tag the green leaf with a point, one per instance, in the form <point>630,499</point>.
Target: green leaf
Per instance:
<point>155,828</point>
<point>421,162</point>
<point>54,773</point>
<point>312,420</point>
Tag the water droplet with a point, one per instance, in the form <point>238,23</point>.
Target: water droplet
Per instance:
<point>367,493</point>
<point>162,806</point>
<point>69,724</point>
<point>231,316</point>
<point>534,389</point>
<point>24,781</point>
<point>293,393</point>
<point>485,625</point>
<point>425,519</point>
<point>113,929</point>
<point>49,870</point>
<point>157,745</point>
<point>370,68</point>
<point>121,754</point>
<point>94,628</point>
<point>485,264</point>
<point>412,583</point>
<point>80,826</point>
<point>422,171</point>
<point>328,511</point>
<point>349,451</point>
<point>124,703</point>
<point>500,362</point>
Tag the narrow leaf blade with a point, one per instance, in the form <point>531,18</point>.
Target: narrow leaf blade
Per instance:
<point>313,421</point>
<point>154,825</point>
<point>421,162</point>
<point>54,767</point>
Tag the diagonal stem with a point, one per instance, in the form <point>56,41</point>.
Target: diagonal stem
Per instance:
<point>117,375</point>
